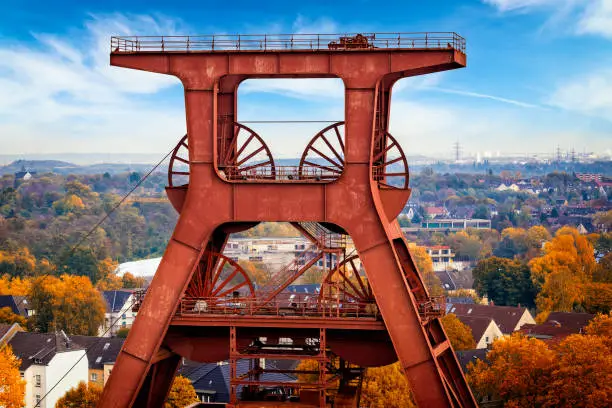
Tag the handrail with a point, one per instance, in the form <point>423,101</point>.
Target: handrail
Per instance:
<point>288,42</point>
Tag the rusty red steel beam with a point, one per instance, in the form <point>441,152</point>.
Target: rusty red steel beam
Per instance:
<point>211,203</point>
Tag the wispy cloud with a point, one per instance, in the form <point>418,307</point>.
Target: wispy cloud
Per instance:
<point>589,94</point>
<point>583,16</point>
<point>486,96</point>
<point>64,92</point>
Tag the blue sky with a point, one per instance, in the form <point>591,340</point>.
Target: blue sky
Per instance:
<point>539,75</point>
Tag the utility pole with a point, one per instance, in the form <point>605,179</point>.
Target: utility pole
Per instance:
<point>457,150</point>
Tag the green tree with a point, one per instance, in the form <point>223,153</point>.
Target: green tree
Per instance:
<point>506,282</point>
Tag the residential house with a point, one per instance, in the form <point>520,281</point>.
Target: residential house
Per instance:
<point>484,329</point>
<point>441,256</point>
<point>51,364</point>
<point>7,331</point>
<point>436,212</point>
<point>466,357</point>
<point>18,305</point>
<point>119,313</point>
<point>23,175</point>
<point>101,356</point>
<point>558,326</point>
<point>508,318</point>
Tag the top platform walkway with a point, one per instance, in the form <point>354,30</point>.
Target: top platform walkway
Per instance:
<point>353,42</point>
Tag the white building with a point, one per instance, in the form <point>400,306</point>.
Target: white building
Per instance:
<point>118,312</point>
<point>47,362</point>
<point>484,329</point>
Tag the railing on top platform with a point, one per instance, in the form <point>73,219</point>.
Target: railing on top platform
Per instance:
<point>288,42</point>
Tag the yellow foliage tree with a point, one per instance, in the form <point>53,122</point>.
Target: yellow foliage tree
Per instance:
<point>601,325</point>
<point>582,374</point>
<point>459,334</point>
<point>8,317</point>
<point>386,387</point>
<point>15,286</point>
<point>567,263</point>
<point>425,266</point>
<point>517,372</point>
<point>82,396</point>
<point>17,263</point>
<point>110,282</point>
<point>181,394</point>
<point>12,387</point>
<point>132,282</point>
<point>68,303</point>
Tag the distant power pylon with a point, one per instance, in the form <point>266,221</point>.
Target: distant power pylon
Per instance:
<point>457,150</point>
<point>558,154</point>
<point>573,155</point>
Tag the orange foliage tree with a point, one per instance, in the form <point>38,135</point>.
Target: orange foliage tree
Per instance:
<point>567,263</point>
<point>425,266</point>
<point>459,334</point>
<point>132,282</point>
<point>597,297</point>
<point>8,317</point>
<point>181,393</point>
<point>82,396</point>
<point>582,374</point>
<point>12,387</point>
<point>517,372</point>
<point>17,263</point>
<point>386,387</point>
<point>68,303</point>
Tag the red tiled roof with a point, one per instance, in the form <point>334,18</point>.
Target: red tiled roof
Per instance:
<point>506,317</point>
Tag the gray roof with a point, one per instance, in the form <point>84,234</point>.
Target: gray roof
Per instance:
<point>40,348</point>
<point>470,356</point>
<point>214,378</point>
<point>100,350</point>
<point>18,304</point>
<point>116,299</point>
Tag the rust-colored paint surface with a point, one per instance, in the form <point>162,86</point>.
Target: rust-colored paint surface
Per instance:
<point>356,200</point>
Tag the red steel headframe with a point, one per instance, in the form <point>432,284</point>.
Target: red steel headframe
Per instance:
<point>217,202</point>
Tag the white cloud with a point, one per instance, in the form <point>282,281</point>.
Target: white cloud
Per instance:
<point>597,19</point>
<point>486,96</point>
<point>590,94</point>
<point>64,93</point>
<point>583,16</point>
<point>509,5</point>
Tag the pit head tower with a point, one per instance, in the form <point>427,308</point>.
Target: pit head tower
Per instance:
<point>372,307</point>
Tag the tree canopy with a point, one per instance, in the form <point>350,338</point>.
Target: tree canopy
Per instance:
<point>12,387</point>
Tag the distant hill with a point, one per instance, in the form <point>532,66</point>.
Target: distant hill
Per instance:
<point>62,167</point>
<point>39,166</point>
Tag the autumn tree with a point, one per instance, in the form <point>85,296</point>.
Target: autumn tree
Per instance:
<point>110,282</point>
<point>68,303</point>
<point>582,374</point>
<point>17,263</point>
<point>459,334</point>
<point>15,286</point>
<point>504,281</point>
<point>517,371</point>
<point>601,325</point>
<point>596,297</point>
<point>567,263</point>
<point>12,387</point>
<point>8,317</point>
<point>82,396</point>
<point>425,266</point>
<point>181,393</point>
<point>603,270</point>
<point>132,282</point>
<point>257,272</point>
<point>386,387</point>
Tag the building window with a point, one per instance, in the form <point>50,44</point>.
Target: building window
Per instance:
<point>37,380</point>
<point>94,377</point>
<point>487,339</point>
<point>37,398</point>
